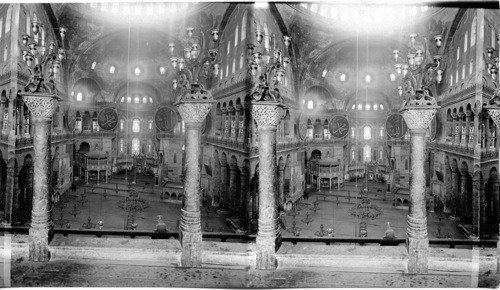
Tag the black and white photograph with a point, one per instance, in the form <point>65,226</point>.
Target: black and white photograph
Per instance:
<point>251,144</point>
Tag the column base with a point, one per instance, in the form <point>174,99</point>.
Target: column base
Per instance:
<point>266,252</point>
<point>418,256</point>
<point>191,249</point>
<point>39,244</point>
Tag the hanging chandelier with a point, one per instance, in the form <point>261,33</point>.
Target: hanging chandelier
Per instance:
<point>419,66</point>
<point>43,63</point>
<point>195,61</point>
<point>268,69</point>
<point>493,66</point>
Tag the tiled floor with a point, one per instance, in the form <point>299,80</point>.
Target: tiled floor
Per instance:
<point>330,214</point>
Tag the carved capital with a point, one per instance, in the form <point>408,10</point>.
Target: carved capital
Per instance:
<point>418,118</point>
<point>494,113</point>
<point>268,113</point>
<point>41,106</point>
<point>194,112</point>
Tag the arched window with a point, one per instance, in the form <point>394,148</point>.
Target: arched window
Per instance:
<point>150,126</point>
<point>136,145</point>
<point>375,107</point>
<point>8,20</point>
<point>353,107</point>
<point>493,43</point>
<point>136,126</point>
<point>244,26</point>
<point>381,132</point>
<point>122,125</point>
<point>241,60</point>
<point>121,146</point>
<point>28,24</point>
<point>136,100</point>
<point>463,71</point>
<point>266,37</point>
<point>473,32</point>
<point>367,133</point>
<point>310,104</point>
<point>236,35</point>
<point>234,65</point>
<point>465,41</point>
<point>367,153</point>
<point>360,107</point>
<point>353,132</point>
<point>1,27</point>
<point>381,107</point>
<point>367,107</point>
<point>458,53</point>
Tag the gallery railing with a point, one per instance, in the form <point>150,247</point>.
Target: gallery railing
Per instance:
<point>242,237</point>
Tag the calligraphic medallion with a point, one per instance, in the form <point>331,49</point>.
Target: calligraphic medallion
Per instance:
<point>165,119</point>
<point>71,118</point>
<point>302,128</point>
<point>339,126</point>
<point>107,119</point>
<point>396,126</point>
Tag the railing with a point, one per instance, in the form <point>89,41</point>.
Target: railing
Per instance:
<point>455,148</point>
<point>242,237</point>
<point>24,141</point>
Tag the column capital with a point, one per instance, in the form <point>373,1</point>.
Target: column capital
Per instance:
<point>267,113</point>
<point>419,118</point>
<point>41,105</point>
<point>194,104</point>
<point>194,112</point>
<point>461,114</point>
<point>454,116</point>
<point>230,109</point>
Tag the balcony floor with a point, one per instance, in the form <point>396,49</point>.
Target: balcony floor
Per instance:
<point>126,274</point>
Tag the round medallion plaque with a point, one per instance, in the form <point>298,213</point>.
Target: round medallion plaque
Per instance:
<point>71,118</point>
<point>396,126</point>
<point>107,119</point>
<point>302,126</point>
<point>339,126</point>
<point>165,119</point>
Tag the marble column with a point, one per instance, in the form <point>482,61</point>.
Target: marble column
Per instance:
<point>241,125</point>
<point>476,199</point>
<point>267,115</point>
<point>495,186</point>
<point>454,189</point>
<point>454,132</point>
<point>232,121</point>
<point>459,128</point>
<point>225,117</point>
<point>494,112</point>
<point>223,180</point>
<point>193,108</point>
<point>281,185</point>
<point>42,228</point>
<point>418,120</point>
<point>10,188</point>
<point>237,111</point>
<point>463,191</point>
<point>244,197</point>
<point>2,110</point>
<point>486,122</point>
<point>468,140</point>
<point>232,185</point>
